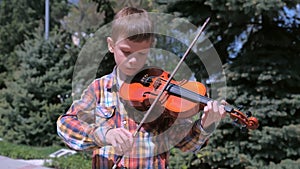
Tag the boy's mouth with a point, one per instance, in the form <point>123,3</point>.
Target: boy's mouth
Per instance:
<point>133,68</point>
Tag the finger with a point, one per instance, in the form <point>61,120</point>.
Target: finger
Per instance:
<point>118,150</point>
<point>117,140</point>
<point>127,144</point>
<point>125,148</point>
<point>222,111</point>
<point>125,139</point>
<point>215,106</point>
<point>223,102</point>
<point>112,140</point>
<point>125,132</point>
<point>119,146</point>
<point>206,109</point>
<point>116,146</point>
<point>209,105</point>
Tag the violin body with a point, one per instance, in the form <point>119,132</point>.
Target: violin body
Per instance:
<point>142,90</point>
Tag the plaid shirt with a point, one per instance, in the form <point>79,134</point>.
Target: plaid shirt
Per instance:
<point>101,109</point>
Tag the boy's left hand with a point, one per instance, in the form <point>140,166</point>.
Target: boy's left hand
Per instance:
<point>213,113</point>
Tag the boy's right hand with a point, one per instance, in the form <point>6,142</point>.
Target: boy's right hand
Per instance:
<point>120,139</point>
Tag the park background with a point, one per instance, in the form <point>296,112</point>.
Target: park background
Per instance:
<point>258,42</point>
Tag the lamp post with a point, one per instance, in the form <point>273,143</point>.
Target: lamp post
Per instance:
<point>46,19</point>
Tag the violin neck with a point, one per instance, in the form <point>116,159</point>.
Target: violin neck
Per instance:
<point>192,96</point>
<point>187,94</point>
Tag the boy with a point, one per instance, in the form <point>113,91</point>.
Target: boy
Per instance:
<point>110,132</point>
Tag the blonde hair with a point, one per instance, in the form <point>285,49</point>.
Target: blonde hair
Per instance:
<point>133,24</point>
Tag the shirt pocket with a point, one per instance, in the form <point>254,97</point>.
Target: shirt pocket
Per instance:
<point>103,113</point>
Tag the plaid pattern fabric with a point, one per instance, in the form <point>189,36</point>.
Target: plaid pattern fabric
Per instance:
<point>100,109</point>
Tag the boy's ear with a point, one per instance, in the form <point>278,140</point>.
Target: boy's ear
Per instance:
<point>110,44</point>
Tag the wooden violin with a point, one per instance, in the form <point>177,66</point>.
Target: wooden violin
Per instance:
<point>181,100</point>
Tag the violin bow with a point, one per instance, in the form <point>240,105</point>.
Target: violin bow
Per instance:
<point>165,86</point>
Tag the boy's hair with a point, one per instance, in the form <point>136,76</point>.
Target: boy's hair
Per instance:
<point>133,24</point>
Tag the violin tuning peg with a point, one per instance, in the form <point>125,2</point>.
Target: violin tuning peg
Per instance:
<point>248,114</point>
<point>239,107</point>
<point>236,121</point>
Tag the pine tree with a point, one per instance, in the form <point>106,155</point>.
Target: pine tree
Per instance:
<point>262,76</point>
<point>17,21</point>
<point>21,89</point>
<point>40,92</point>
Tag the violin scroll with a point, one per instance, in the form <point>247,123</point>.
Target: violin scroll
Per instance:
<point>240,119</point>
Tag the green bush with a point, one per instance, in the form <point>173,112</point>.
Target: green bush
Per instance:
<point>78,161</point>
<point>81,160</point>
<point>25,152</point>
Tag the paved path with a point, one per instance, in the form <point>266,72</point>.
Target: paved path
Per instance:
<point>8,163</point>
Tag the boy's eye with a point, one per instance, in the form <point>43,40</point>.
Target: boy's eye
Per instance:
<point>143,54</point>
<point>126,52</point>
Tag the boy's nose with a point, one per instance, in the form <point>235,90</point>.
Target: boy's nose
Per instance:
<point>133,60</point>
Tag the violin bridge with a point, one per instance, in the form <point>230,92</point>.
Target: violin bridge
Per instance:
<point>157,83</point>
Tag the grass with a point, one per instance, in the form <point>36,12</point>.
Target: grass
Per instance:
<point>80,160</point>
<point>26,152</point>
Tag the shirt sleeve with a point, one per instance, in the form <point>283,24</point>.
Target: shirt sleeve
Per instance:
<point>196,137</point>
<point>78,133</point>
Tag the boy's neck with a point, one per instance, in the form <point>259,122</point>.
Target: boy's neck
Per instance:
<point>121,77</point>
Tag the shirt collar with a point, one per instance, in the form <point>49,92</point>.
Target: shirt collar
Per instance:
<point>113,86</point>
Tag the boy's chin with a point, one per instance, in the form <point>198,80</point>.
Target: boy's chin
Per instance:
<point>132,72</point>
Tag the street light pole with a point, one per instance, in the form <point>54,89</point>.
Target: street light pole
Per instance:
<point>46,19</point>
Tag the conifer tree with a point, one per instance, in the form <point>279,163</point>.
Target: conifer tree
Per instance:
<point>262,76</point>
<point>20,92</point>
<point>40,92</point>
<point>18,19</point>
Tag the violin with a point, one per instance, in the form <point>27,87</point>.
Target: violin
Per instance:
<point>182,99</point>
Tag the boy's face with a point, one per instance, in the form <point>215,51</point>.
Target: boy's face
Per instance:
<point>130,56</point>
